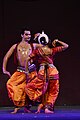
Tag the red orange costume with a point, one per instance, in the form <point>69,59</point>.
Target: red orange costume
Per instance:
<point>16,88</point>
<point>51,73</point>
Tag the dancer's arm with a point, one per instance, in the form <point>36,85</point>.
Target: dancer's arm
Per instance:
<point>5,60</point>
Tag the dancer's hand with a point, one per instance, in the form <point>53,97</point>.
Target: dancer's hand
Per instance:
<point>54,42</point>
<point>36,35</point>
<point>8,73</point>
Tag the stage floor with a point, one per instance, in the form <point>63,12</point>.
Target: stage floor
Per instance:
<point>60,113</point>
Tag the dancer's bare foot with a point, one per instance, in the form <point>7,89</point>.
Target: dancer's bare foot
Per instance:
<point>39,108</point>
<point>48,111</point>
<point>15,110</point>
<point>38,111</point>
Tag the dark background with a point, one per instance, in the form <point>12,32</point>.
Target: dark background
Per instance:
<point>59,19</point>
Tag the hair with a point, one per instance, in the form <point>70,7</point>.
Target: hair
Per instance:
<point>23,29</point>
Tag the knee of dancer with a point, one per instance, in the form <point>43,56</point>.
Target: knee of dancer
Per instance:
<point>8,83</point>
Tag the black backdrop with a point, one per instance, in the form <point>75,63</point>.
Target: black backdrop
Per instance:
<point>59,19</point>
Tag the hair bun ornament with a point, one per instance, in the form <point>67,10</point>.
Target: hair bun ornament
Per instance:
<point>43,38</point>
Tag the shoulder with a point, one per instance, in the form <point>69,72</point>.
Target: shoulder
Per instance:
<point>11,50</point>
<point>14,46</point>
<point>36,45</point>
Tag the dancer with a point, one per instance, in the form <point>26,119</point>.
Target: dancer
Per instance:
<point>48,73</point>
<point>17,82</point>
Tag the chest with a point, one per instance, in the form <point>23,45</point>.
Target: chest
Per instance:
<point>24,50</point>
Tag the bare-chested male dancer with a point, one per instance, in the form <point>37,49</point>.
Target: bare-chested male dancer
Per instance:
<point>17,82</point>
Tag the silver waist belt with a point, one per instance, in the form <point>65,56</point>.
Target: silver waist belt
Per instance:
<point>21,69</point>
<point>31,68</point>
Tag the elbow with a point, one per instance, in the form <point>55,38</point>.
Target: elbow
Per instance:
<point>67,46</point>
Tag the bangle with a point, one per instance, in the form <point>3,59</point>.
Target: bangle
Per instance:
<point>56,40</point>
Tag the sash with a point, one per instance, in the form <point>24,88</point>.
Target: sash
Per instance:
<point>45,57</point>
